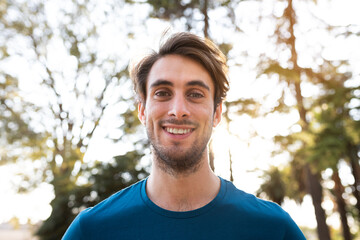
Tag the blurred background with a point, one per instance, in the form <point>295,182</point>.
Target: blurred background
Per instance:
<point>69,133</point>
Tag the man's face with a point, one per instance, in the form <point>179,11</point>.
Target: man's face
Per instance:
<point>179,113</point>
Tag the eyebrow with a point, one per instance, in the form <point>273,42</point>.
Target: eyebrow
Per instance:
<point>198,83</point>
<point>161,82</point>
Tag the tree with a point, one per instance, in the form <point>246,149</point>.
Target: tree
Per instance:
<point>285,34</point>
<point>321,143</point>
<point>104,179</point>
<point>190,11</point>
<point>335,130</point>
<point>274,186</point>
<point>78,85</point>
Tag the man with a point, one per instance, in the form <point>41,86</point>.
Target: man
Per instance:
<point>180,91</point>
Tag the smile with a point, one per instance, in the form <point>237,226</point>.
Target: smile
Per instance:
<point>178,131</point>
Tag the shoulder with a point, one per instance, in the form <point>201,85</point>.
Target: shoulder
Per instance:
<point>115,207</point>
<point>117,202</point>
<point>267,214</point>
<point>75,229</point>
<point>248,203</point>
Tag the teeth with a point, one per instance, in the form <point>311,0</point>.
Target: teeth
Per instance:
<point>178,130</point>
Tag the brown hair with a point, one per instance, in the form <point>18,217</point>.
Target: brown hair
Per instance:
<point>188,45</point>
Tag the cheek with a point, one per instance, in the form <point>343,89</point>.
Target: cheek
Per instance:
<point>204,115</point>
<point>154,113</point>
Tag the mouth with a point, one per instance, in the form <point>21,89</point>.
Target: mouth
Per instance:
<point>178,131</point>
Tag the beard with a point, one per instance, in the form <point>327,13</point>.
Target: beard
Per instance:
<point>176,159</point>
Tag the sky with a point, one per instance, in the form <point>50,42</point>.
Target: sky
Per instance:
<point>251,155</point>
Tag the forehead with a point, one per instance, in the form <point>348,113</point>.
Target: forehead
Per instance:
<point>179,70</point>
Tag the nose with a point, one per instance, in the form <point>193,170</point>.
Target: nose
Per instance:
<point>179,108</point>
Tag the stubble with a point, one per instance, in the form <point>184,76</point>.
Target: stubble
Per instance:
<point>176,159</point>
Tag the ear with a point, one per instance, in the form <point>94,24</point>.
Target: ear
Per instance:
<point>141,112</point>
<point>217,114</point>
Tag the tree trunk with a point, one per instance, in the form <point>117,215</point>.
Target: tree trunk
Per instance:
<point>230,167</point>
<point>206,18</point>
<point>355,168</point>
<point>55,226</point>
<point>315,190</point>
<point>211,156</point>
<point>341,205</point>
<point>314,187</point>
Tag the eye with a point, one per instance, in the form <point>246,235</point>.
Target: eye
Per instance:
<point>195,95</point>
<point>162,93</point>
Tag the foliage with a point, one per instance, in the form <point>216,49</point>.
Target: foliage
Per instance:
<point>14,118</point>
<point>324,117</point>
<point>274,186</point>
<point>104,179</point>
<point>74,86</point>
<point>194,11</point>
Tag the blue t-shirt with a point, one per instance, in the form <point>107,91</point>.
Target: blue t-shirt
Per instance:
<point>232,214</point>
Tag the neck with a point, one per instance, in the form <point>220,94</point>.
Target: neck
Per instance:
<point>182,192</point>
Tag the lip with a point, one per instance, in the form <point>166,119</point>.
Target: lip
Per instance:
<point>178,136</point>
